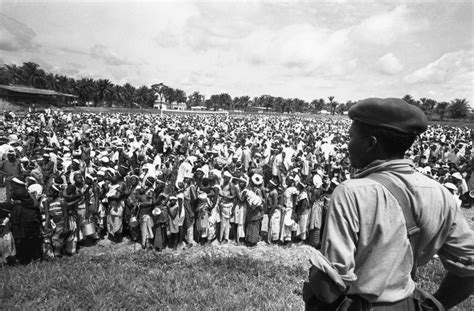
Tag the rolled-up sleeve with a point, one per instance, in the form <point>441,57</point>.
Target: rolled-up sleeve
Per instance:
<point>457,252</point>
<point>340,233</point>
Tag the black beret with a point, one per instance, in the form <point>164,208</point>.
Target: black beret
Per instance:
<point>390,113</point>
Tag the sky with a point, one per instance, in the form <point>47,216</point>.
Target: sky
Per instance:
<point>300,49</point>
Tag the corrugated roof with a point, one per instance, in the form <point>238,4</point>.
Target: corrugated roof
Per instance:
<point>32,90</point>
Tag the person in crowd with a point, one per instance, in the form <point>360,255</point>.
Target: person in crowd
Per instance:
<point>25,223</point>
<point>254,198</point>
<point>56,220</point>
<point>10,168</point>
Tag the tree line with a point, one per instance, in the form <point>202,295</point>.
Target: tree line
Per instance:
<point>102,92</point>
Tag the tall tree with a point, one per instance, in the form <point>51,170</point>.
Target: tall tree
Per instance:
<point>179,96</point>
<point>459,108</point>
<point>104,90</point>
<point>50,81</point>
<point>332,104</point>
<point>128,93</point>
<point>145,97</point>
<point>317,106</point>
<point>427,105</point>
<point>32,75</point>
<point>195,99</point>
<point>14,73</point>
<point>242,102</point>
<point>160,90</point>
<point>409,99</point>
<point>85,89</point>
<point>441,109</point>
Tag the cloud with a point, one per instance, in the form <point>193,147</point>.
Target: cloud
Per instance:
<point>196,78</point>
<point>444,68</point>
<point>388,27</point>
<point>15,36</point>
<point>103,53</point>
<point>72,51</point>
<point>167,39</point>
<point>389,64</point>
<point>300,48</point>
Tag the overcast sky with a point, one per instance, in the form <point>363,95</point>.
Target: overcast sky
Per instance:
<point>347,49</point>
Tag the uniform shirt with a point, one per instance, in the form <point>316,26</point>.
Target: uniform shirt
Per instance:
<point>365,236</point>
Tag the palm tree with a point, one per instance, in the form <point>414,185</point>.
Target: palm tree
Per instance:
<point>332,104</point>
<point>459,108</point>
<point>50,81</point>
<point>145,97</point>
<point>103,91</point>
<point>288,105</point>
<point>63,84</point>
<point>441,109</point>
<point>318,105</point>
<point>32,75</point>
<point>85,89</point>
<point>242,102</point>
<point>128,92</point>
<point>278,103</point>
<point>427,105</point>
<point>14,73</point>
<point>409,99</point>
<point>196,99</point>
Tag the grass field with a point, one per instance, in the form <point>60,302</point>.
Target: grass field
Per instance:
<point>122,276</point>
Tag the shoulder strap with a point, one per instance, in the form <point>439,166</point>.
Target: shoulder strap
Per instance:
<point>412,227</point>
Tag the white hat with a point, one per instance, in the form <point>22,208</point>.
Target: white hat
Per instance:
<point>156,211</point>
<point>36,189</point>
<point>18,181</point>
<point>450,186</point>
<point>257,179</point>
<point>317,181</point>
<point>457,175</point>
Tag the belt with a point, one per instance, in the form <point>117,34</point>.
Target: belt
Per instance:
<point>401,305</point>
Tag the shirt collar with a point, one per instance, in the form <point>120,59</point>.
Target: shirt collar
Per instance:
<point>398,165</point>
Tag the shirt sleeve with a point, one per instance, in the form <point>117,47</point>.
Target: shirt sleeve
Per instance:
<point>341,231</point>
<point>457,252</point>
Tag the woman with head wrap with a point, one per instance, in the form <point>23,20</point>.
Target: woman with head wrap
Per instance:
<point>56,220</point>
<point>302,212</point>
<point>26,223</point>
<point>274,211</point>
<point>145,198</point>
<point>189,201</point>
<point>129,188</point>
<point>288,202</point>
<point>175,221</point>
<point>160,218</point>
<point>226,204</point>
<point>115,210</point>
<point>202,220</point>
<point>254,197</point>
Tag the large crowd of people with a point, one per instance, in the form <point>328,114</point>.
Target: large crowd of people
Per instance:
<point>174,181</point>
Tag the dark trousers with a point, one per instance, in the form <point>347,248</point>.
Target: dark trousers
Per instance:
<point>28,249</point>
